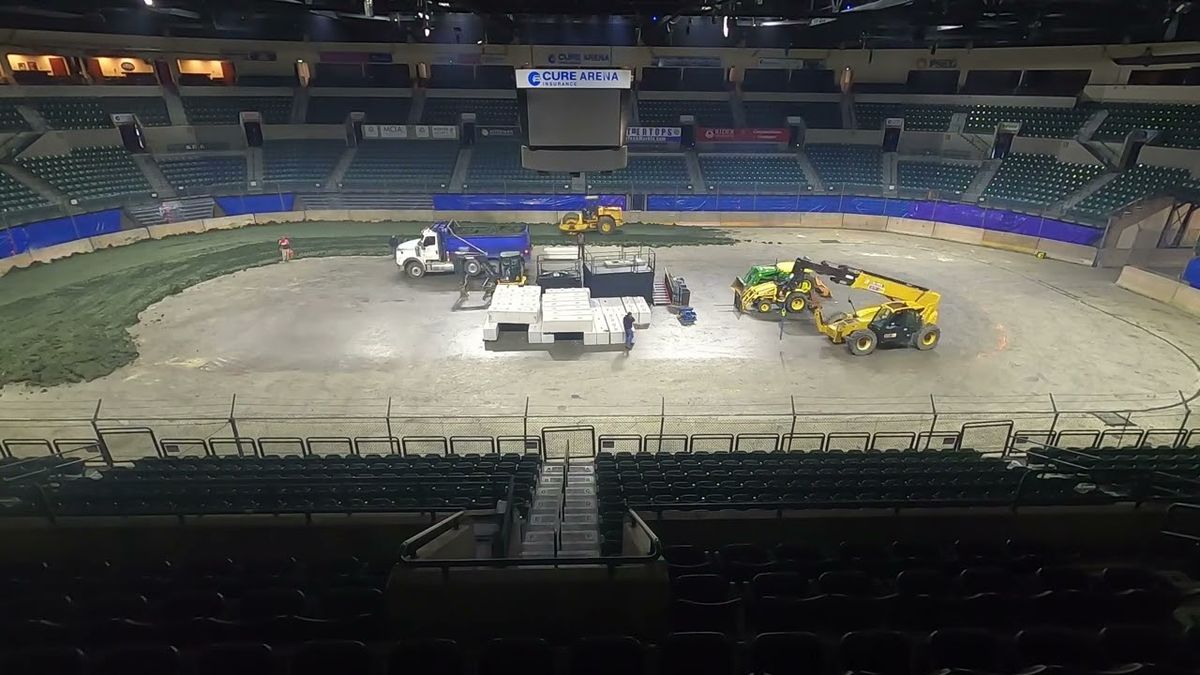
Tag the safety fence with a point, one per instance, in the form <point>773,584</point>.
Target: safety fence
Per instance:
<point>121,431</point>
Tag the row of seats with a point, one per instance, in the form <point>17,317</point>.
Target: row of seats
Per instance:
<point>14,196</point>
<point>1129,186</point>
<point>11,119</point>
<point>1179,123</point>
<point>1131,649</point>
<point>644,171</point>
<point>916,117</point>
<point>419,162</point>
<point>90,173</point>
<point>300,161</point>
<point>210,110</point>
<point>1035,122</point>
<point>666,112</point>
<point>774,114</point>
<point>95,113</point>
<point>494,111</point>
<point>499,163</point>
<point>1037,179</point>
<point>722,171</point>
<point>846,164</point>
<point>939,176</point>
<point>201,171</point>
<point>376,110</point>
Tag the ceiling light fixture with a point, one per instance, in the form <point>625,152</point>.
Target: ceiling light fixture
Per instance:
<point>149,3</point>
<point>725,27</point>
<point>950,26</point>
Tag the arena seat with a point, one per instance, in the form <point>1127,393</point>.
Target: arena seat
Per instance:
<point>761,172</point>
<point>1040,180</point>
<point>847,164</point>
<point>11,118</point>
<point>402,162</point>
<point>643,172</point>
<point>14,196</point>
<point>201,171</point>
<point>94,113</point>
<point>917,117</point>
<point>666,112</point>
<point>497,111</point>
<point>1035,122</point>
<point>1178,122</point>
<point>498,164</point>
<point>309,161</point>
<point>210,110</point>
<point>90,173</point>
<point>1129,186</point>
<point>775,114</point>
<point>939,176</point>
<point>378,110</point>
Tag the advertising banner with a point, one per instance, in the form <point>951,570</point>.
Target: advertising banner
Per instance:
<point>720,135</point>
<point>406,131</point>
<point>566,78</point>
<point>572,56</point>
<point>688,61</point>
<point>653,134</point>
<point>443,131</point>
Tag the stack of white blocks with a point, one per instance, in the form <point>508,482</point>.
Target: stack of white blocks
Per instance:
<point>563,310</point>
<point>512,304</point>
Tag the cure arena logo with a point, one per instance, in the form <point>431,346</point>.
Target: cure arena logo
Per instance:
<point>535,78</point>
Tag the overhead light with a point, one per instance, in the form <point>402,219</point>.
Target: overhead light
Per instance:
<point>950,26</point>
<point>426,31</point>
<point>443,4</point>
<point>725,27</point>
<point>149,3</point>
<point>479,42</point>
<point>299,60</point>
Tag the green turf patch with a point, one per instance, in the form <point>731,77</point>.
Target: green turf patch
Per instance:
<point>68,321</point>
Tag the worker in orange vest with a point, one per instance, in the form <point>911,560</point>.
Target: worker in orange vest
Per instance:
<point>285,249</point>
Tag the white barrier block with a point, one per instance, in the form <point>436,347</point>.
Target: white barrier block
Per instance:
<point>491,331</point>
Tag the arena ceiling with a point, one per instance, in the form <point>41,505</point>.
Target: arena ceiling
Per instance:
<point>758,23</point>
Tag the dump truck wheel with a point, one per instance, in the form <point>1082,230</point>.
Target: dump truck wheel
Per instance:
<point>862,342</point>
<point>472,267</point>
<point>764,306</point>
<point>927,338</point>
<point>606,224</point>
<point>796,302</point>
<point>414,269</point>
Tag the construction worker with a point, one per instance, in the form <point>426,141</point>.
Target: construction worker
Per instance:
<point>628,331</point>
<point>285,249</point>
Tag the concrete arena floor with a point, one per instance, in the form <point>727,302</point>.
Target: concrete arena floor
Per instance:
<point>352,328</point>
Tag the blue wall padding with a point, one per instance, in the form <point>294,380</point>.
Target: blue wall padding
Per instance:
<point>497,202</point>
<point>241,205</point>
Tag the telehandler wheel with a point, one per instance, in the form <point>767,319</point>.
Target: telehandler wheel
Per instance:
<point>414,269</point>
<point>796,302</point>
<point>764,306</point>
<point>927,338</point>
<point>862,342</point>
<point>606,224</point>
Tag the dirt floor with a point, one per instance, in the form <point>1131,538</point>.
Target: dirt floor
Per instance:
<point>349,333</point>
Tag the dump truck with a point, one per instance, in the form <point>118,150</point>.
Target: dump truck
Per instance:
<point>445,246</point>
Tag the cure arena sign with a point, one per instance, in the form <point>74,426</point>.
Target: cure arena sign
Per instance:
<point>562,78</point>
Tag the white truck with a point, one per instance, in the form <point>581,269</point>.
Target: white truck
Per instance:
<point>435,250</point>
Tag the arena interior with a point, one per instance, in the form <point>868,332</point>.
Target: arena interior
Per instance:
<point>779,338</point>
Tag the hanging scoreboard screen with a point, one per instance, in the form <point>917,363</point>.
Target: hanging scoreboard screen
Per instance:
<point>580,108</point>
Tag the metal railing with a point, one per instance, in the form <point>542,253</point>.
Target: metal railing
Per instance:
<point>125,430</point>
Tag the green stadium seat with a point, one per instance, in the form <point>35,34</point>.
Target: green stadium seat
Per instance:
<point>847,164</point>
<point>1039,180</point>
<point>379,110</point>
<point>1178,122</point>
<point>727,173</point>
<point>95,113</point>
<point>497,111</point>
<point>644,172</point>
<point>774,114</point>
<point>916,117</point>
<point>210,110</point>
<point>498,165</point>
<point>938,176</point>
<point>11,118</point>
<point>195,172</point>
<point>1035,122</point>
<point>14,196</point>
<point>1132,185</point>
<point>91,173</point>
<point>402,162</point>
<point>665,113</point>
<point>300,161</point>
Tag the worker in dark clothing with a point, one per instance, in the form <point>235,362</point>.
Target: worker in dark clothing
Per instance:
<point>628,331</point>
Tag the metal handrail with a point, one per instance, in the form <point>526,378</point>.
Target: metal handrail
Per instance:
<point>1167,521</point>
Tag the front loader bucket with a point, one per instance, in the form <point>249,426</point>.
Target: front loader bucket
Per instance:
<point>739,288</point>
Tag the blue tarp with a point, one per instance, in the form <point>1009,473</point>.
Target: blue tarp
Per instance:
<point>498,202</point>
<point>241,205</point>
<point>945,212</point>
<point>13,241</point>
<point>56,231</point>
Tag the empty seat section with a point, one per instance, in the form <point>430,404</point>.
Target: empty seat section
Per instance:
<point>307,161</point>
<point>94,113</point>
<point>645,171</point>
<point>1040,180</point>
<point>380,110</point>
<point>770,172</point>
<point>11,118</point>
<point>498,111</point>
<point>775,114</point>
<point>207,110</point>
<point>1133,184</point>
<point>940,176</point>
<point>666,112</point>
<point>14,196</point>
<point>192,172</point>
<point>412,162</point>
<point>496,165</point>
<point>1179,123</point>
<point>1036,122</point>
<point>90,173</point>
<point>916,117</point>
<point>847,164</point>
